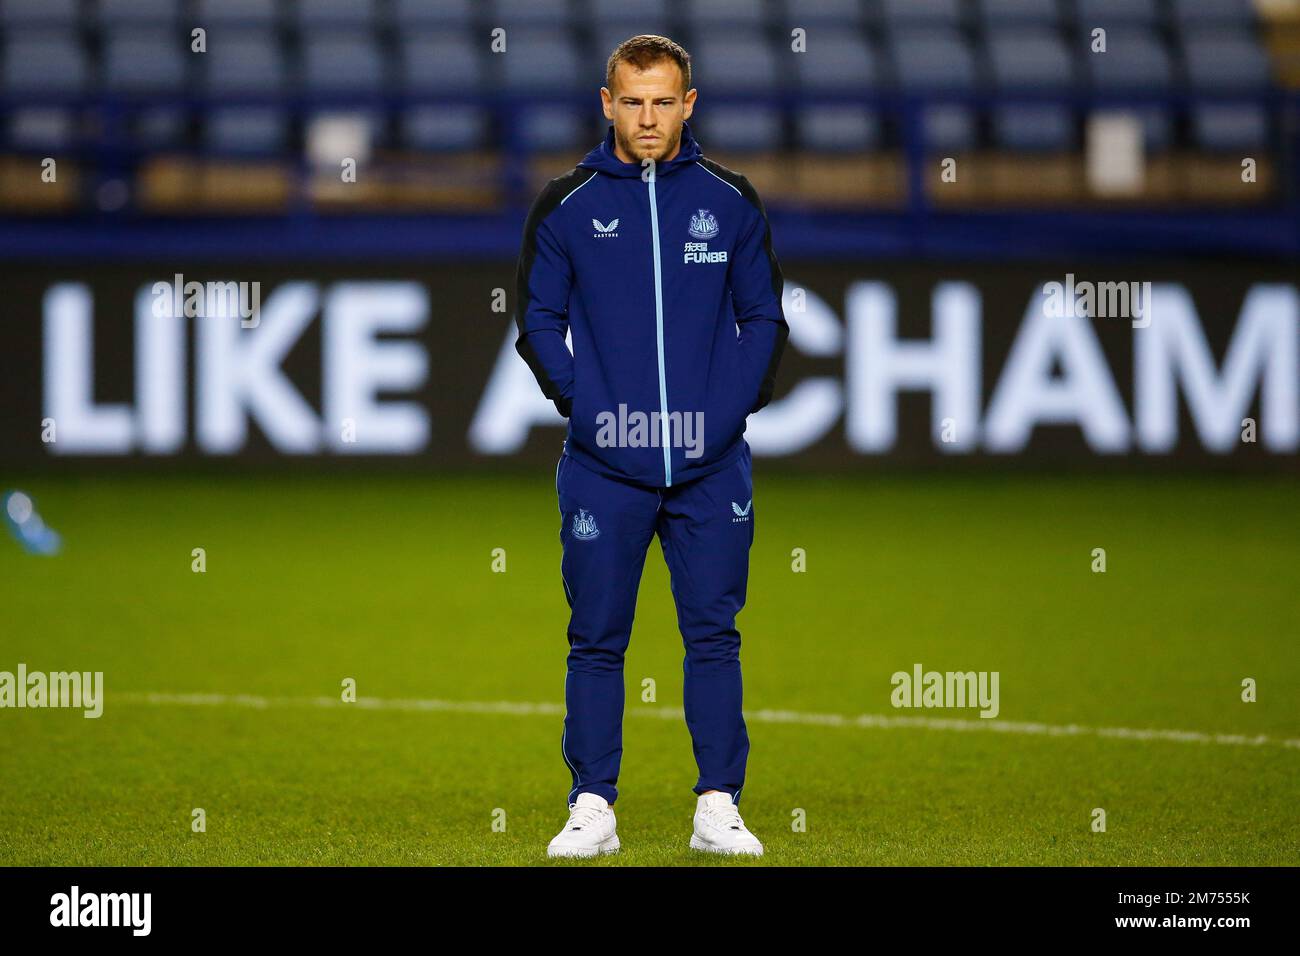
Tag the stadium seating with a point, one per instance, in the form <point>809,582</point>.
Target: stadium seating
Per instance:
<point>740,62</point>
<point>1109,14</point>
<point>43,62</point>
<point>422,78</point>
<point>1136,61</point>
<point>846,14</point>
<point>156,14</point>
<point>1032,59</point>
<point>1234,14</point>
<point>239,63</point>
<point>252,13</point>
<point>442,63</point>
<point>345,14</point>
<point>609,34</point>
<point>999,14</point>
<point>1225,63</point>
<point>724,15</point>
<point>551,14</point>
<point>432,13</point>
<point>44,13</point>
<point>147,60</point>
<point>837,61</point>
<point>922,14</point>
<point>939,60</point>
<point>619,13</point>
<point>547,61</point>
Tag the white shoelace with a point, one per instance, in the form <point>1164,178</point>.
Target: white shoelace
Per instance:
<point>725,818</point>
<point>582,818</point>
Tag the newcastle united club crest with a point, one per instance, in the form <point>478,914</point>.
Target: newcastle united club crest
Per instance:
<point>703,225</point>
<point>584,525</point>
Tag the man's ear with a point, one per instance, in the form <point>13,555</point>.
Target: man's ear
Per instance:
<point>607,102</point>
<point>688,104</point>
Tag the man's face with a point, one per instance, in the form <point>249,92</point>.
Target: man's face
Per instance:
<point>647,109</point>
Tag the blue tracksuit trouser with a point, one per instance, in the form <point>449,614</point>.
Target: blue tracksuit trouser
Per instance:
<point>706,527</point>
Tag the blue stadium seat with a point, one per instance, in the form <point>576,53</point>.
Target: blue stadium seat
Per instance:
<point>610,35</point>
<point>341,62</point>
<point>46,13</point>
<point>543,59</point>
<point>551,14</point>
<point>347,62</point>
<point>42,61</point>
<point>410,14</point>
<point>1226,62</point>
<point>144,61</point>
<point>1137,61</point>
<point>261,13</point>
<point>930,14</point>
<point>548,61</point>
<point>847,13</point>
<point>244,60</point>
<point>245,131</point>
<point>241,62</point>
<point>841,61</point>
<point>997,14</point>
<point>738,61</point>
<point>620,11</point>
<point>1032,59</point>
<point>939,61</point>
<point>151,13</point>
<point>1110,14</point>
<point>36,60</point>
<point>148,61</point>
<point>1193,14</point>
<point>741,15</point>
<point>1229,129</point>
<point>354,14</point>
<point>1216,60</point>
<point>442,62</point>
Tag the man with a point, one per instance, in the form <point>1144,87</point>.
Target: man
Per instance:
<point>660,264</point>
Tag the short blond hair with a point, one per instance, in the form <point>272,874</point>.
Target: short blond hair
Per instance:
<point>641,52</point>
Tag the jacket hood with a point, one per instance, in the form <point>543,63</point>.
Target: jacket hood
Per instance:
<point>604,159</point>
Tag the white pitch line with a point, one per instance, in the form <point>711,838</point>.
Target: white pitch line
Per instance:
<point>873,721</point>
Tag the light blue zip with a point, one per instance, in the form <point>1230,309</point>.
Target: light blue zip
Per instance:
<point>659,333</point>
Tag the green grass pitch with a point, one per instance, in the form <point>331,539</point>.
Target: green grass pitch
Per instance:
<point>389,581</point>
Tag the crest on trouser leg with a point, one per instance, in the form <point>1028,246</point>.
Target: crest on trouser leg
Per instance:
<point>584,525</point>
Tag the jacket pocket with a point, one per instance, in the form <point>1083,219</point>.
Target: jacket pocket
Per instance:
<point>728,406</point>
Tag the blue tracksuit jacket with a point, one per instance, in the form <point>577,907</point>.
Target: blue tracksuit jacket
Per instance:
<point>667,280</point>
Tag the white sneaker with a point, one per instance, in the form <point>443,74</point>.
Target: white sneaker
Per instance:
<point>719,829</point>
<point>590,829</point>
